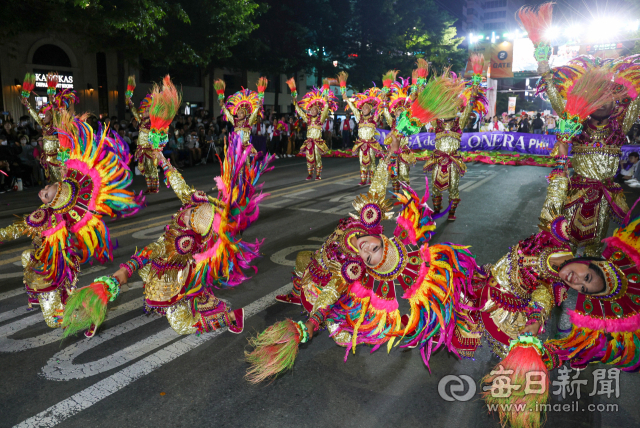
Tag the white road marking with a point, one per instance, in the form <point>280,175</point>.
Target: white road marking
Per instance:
<point>280,257</point>
<point>480,183</point>
<point>149,233</point>
<point>297,194</point>
<point>18,291</point>
<point>11,275</point>
<point>340,209</point>
<point>101,390</point>
<point>53,335</point>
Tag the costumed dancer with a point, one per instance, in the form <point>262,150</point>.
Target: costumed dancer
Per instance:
<point>516,294</point>
<point>68,229</point>
<point>399,101</point>
<point>365,111</point>
<point>349,286</point>
<point>593,196</point>
<point>445,163</point>
<point>200,250</point>
<point>145,156</point>
<point>314,109</point>
<point>435,101</point>
<point>243,109</point>
<point>58,102</point>
<point>605,329</point>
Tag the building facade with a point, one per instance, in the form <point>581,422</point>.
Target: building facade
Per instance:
<point>94,77</point>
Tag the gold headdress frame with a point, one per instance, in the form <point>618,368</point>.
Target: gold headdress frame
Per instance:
<point>615,282</point>
<point>202,218</point>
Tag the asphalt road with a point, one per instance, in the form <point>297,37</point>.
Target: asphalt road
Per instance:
<point>138,372</point>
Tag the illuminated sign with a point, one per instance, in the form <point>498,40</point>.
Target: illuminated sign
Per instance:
<point>65,79</point>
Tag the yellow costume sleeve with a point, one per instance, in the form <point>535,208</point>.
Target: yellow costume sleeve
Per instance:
<point>254,116</point>
<point>134,111</point>
<point>325,113</point>
<point>13,232</point>
<point>543,299</point>
<point>300,112</point>
<point>179,186</point>
<point>227,113</point>
<point>34,114</point>
<point>356,112</point>
<point>553,203</point>
<point>387,116</point>
<point>330,293</point>
<point>552,92</point>
<point>631,115</point>
<point>466,113</point>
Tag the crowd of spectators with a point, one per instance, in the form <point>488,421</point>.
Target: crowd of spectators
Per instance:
<point>198,138</point>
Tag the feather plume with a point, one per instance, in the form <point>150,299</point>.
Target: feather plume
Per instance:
<point>275,351</point>
<point>536,22</point>
<point>131,83</point>
<point>477,62</point>
<point>86,306</point>
<point>52,80</point>
<point>523,359</point>
<point>590,92</point>
<point>262,84</point>
<point>389,77</point>
<point>342,79</point>
<point>423,68</point>
<point>292,84</point>
<point>164,104</point>
<point>439,99</point>
<point>219,86</point>
<point>29,82</point>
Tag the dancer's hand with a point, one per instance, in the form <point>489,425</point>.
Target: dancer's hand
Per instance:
<point>122,276</point>
<point>563,148</point>
<point>344,96</point>
<point>309,326</point>
<point>159,157</point>
<point>532,328</point>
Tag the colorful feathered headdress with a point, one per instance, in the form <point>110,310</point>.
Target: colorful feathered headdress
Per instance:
<point>245,99</point>
<point>94,186</point>
<point>399,94</point>
<point>315,97</point>
<point>625,72</point>
<point>591,91</point>
<point>145,103</point>
<point>479,100</point>
<point>372,96</point>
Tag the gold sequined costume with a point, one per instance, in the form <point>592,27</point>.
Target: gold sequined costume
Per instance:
<point>523,286</point>
<point>593,197</point>
<point>314,146</point>
<point>366,146</point>
<point>445,163</point>
<point>58,102</point>
<point>147,163</point>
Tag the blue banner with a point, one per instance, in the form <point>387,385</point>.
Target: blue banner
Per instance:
<point>532,144</point>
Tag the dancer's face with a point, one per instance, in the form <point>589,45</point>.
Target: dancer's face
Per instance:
<point>366,109</point>
<point>603,112</point>
<point>241,114</point>
<point>47,194</point>
<point>581,278</point>
<point>398,111</point>
<point>47,118</point>
<point>370,249</point>
<point>314,111</point>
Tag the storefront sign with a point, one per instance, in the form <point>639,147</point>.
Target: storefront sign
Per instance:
<point>65,79</point>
